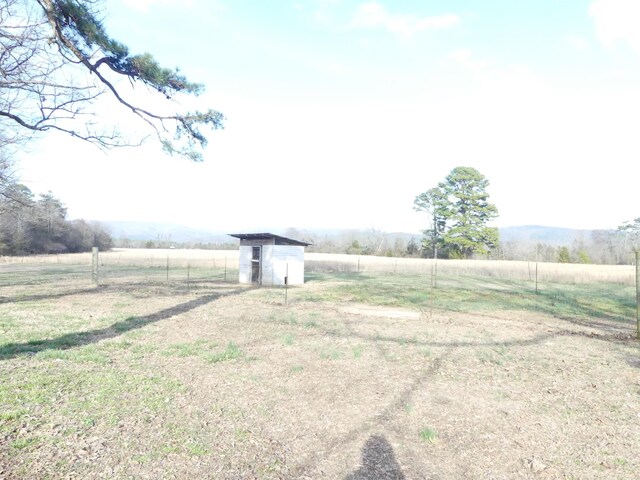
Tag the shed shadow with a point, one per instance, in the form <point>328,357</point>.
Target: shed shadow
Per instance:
<point>378,461</point>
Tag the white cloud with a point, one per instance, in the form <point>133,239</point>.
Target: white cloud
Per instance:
<point>323,11</point>
<point>576,42</point>
<point>375,15</point>
<point>617,21</point>
<point>464,57</point>
<point>504,80</point>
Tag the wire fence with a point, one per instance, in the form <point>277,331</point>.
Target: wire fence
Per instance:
<point>601,290</point>
<point>490,269</point>
<point>124,266</point>
<point>192,266</point>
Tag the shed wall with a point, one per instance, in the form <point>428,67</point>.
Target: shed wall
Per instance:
<point>275,261</point>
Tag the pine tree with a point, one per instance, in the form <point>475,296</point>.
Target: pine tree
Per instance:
<point>58,60</point>
<point>459,211</point>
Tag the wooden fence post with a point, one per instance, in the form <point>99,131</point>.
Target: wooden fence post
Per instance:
<point>94,266</point>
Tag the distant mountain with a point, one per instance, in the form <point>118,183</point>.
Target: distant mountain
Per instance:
<point>182,234</point>
<point>164,232</point>
<point>539,234</point>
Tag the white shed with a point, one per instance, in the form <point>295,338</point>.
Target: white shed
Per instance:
<point>268,259</point>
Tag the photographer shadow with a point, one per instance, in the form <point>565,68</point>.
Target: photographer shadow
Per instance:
<point>378,461</point>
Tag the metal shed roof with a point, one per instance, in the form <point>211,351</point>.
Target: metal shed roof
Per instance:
<point>278,240</point>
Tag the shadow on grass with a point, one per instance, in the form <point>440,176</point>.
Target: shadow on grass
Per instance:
<point>79,339</point>
<point>168,288</point>
<point>378,461</point>
<point>47,296</point>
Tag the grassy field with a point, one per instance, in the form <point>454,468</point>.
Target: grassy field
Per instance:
<point>359,375</point>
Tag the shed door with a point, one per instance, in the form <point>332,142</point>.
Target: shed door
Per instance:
<point>256,254</point>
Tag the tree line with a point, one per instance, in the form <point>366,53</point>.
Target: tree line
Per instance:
<point>31,224</point>
<point>604,247</point>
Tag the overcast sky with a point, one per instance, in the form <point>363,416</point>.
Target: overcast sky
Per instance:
<point>339,112</point>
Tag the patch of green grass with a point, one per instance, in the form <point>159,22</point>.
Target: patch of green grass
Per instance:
<point>88,354</point>
<point>297,369</point>
<point>8,323</point>
<point>54,331</point>
<point>190,349</point>
<point>206,350</point>
<point>425,352</point>
<point>241,434</point>
<point>357,351</point>
<point>232,352</point>
<point>23,443</point>
<point>496,356</point>
<point>428,434</point>
<point>119,345</point>
<point>89,422</point>
<point>133,335</point>
<point>478,294</point>
<point>168,449</point>
<point>12,415</point>
<point>331,354</point>
<point>286,319</point>
<point>311,323</point>
<point>82,396</point>
<point>288,339</point>
<point>196,449</point>
<point>142,458</point>
<point>139,351</point>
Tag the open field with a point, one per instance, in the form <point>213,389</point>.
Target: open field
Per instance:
<point>359,375</point>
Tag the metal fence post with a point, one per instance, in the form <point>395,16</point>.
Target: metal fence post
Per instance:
<point>638,294</point>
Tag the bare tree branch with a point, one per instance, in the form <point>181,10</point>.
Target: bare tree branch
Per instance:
<point>56,61</point>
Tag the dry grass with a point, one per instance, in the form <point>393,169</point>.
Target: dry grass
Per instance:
<point>515,270</point>
<point>217,381</point>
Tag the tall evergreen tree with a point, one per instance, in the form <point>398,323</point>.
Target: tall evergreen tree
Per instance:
<point>469,213</point>
<point>459,211</point>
